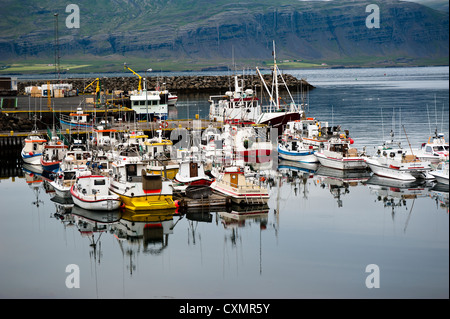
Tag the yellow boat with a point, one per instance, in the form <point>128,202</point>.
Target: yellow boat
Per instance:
<point>137,187</point>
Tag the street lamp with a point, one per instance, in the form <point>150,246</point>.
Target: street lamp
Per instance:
<point>146,96</point>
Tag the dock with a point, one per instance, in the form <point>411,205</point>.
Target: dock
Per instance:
<point>212,201</point>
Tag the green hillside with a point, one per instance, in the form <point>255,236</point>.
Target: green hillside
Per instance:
<point>196,34</point>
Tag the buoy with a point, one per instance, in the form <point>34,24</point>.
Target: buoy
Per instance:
<point>351,141</point>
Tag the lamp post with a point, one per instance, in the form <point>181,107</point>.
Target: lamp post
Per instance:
<point>146,96</point>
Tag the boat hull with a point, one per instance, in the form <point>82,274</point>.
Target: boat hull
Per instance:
<point>391,171</point>
<point>34,159</point>
<point>345,163</point>
<point>278,119</point>
<point>50,166</point>
<point>63,192</point>
<point>305,156</point>
<point>103,203</point>
<point>440,177</point>
<point>147,202</point>
<point>241,198</point>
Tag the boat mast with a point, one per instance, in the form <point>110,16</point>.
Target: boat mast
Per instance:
<point>275,74</point>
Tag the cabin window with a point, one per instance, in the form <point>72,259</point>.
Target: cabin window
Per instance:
<point>151,182</point>
<point>98,182</point>
<point>131,170</point>
<point>34,147</point>
<point>428,149</point>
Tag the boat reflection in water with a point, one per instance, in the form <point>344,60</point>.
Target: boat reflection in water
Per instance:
<point>238,216</point>
<point>143,232</point>
<point>339,181</point>
<point>396,193</point>
<point>440,193</point>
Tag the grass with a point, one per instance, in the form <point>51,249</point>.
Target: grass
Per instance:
<point>38,67</point>
<point>96,64</point>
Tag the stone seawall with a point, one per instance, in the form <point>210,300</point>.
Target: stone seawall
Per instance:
<point>178,84</point>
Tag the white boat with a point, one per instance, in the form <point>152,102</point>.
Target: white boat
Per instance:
<point>149,105</point>
<point>92,192</point>
<point>63,182</point>
<point>338,153</point>
<point>435,150</point>
<point>33,148</point>
<point>395,163</point>
<point>192,173</point>
<point>54,152</point>
<point>232,182</point>
<point>297,151</point>
<point>441,173</point>
<point>246,143</point>
<point>235,107</point>
<point>76,121</point>
<point>104,139</point>
<point>310,130</point>
<point>76,158</point>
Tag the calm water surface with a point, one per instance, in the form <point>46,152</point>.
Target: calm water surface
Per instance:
<point>320,232</point>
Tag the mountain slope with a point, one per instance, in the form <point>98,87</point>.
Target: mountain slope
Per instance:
<point>199,30</point>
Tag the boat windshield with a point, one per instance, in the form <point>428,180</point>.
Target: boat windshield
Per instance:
<point>439,148</point>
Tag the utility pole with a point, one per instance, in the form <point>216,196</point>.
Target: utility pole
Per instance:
<point>57,69</point>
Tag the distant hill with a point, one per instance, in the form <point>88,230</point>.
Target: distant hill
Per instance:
<point>208,33</point>
<point>441,5</point>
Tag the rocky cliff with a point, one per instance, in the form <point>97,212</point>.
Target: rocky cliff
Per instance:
<point>188,30</point>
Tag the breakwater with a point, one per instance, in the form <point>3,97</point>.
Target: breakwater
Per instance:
<point>179,84</point>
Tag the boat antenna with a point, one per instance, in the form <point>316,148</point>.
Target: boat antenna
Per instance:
<point>429,123</point>
<point>408,140</point>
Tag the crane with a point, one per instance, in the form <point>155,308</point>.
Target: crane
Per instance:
<point>97,89</point>
<point>140,77</point>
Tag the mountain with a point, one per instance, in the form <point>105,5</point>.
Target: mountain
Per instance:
<point>213,32</point>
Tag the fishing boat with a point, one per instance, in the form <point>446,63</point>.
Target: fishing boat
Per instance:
<point>435,150</point>
<point>338,153</point>
<point>92,192</point>
<point>297,151</point>
<point>63,182</point>
<point>104,139</point>
<point>235,107</point>
<point>441,173</point>
<point>158,150</point>
<point>192,173</point>
<point>33,148</point>
<point>395,163</point>
<point>309,130</point>
<point>242,190</point>
<point>76,121</point>
<point>247,143</point>
<point>148,105</point>
<point>275,114</point>
<point>76,157</point>
<point>138,189</point>
<point>54,152</point>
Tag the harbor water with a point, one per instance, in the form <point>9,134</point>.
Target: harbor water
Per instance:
<point>325,234</point>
